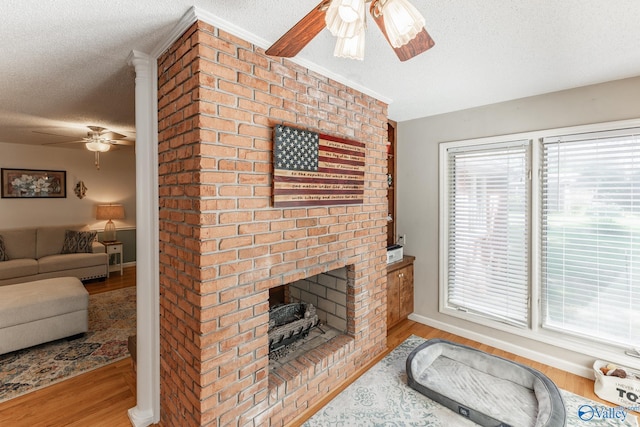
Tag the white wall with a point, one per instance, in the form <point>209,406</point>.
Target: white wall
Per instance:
<point>417,187</point>
<point>114,183</point>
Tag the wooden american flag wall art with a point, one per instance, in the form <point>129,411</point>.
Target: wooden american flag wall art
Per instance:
<point>313,169</point>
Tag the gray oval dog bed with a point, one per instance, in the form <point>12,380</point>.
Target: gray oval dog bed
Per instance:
<point>487,389</point>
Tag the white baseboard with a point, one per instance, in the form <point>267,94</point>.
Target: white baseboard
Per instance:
<point>529,353</point>
<point>140,418</point>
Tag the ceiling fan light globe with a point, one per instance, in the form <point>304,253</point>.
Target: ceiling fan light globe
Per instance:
<point>98,146</point>
<point>402,21</point>
<point>338,26</point>
<point>351,10</point>
<point>352,47</point>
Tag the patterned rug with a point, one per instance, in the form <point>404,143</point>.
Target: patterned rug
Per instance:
<point>381,397</point>
<point>112,318</point>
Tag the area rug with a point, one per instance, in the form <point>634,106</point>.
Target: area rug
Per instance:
<point>381,397</point>
<point>112,318</point>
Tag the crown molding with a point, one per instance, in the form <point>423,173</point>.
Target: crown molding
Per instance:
<point>198,14</point>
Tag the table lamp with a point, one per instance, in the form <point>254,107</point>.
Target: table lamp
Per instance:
<point>109,212</point>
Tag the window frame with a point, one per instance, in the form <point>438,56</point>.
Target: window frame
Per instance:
<point>444,224</point>
<point>534,330</point>
<point>612,139</point>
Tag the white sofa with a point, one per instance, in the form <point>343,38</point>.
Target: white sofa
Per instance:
<point>36,253</point>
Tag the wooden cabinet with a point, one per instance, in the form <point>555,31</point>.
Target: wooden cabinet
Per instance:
<point>399,290</point>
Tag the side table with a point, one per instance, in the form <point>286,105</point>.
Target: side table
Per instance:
<point>114,248</point>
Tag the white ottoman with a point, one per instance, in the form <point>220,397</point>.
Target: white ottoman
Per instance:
<point>36,312</point>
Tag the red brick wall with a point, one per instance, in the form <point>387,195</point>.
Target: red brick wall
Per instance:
<point>223,245</point>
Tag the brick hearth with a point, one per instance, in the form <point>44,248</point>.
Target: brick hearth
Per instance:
<point>223,245</point>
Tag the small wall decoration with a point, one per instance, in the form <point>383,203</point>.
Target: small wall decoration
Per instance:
<point>312,169</point>
<point>80,190</point>
<point>33,183</point>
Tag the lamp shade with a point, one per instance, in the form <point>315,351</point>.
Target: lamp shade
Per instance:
<point>352,48</point>
<point>402,21</point>
<point>352,10</point>
<point>115,211</point>
<point>98,146</point>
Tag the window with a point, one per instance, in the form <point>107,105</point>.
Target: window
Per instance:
<point>488,245</point>
<point>591,235</point>
<point>579,262</point>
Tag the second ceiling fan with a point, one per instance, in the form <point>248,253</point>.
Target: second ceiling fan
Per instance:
<point>98,140</point>
<point>400,22</point>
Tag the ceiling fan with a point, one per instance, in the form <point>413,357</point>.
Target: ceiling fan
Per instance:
<point>99,140</point>
<point>400,23</point>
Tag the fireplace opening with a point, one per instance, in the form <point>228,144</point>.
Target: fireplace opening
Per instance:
<point>306,314</point>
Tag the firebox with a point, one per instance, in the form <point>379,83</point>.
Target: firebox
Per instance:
<point>306,314</point>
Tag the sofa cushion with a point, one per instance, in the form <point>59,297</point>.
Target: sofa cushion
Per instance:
<point>70,261</point>
<point>3,251</point>
<point>20,243</point>
<point>49,240</point>
<point>26,302</point>
<point>18,268</point>
<point>78,241</point>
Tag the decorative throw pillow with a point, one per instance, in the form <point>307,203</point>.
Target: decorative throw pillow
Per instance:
<point>3,250</point>
<point>78,241</point>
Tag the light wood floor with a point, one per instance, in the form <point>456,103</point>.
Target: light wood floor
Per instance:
<point>102,397</point>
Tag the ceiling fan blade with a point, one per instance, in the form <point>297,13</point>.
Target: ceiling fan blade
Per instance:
<point>122,142</point>
<point>112,135</point>
<point>52,134</point>
<point>62,142</point>
<point>419,44</point>
<point>294,40</point>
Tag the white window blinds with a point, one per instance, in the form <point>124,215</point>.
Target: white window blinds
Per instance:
<point>591,235</point>
<point>488,194</point>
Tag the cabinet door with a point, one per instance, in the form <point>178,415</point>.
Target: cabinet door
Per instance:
<point>393,298</point>
<point>406,291</point>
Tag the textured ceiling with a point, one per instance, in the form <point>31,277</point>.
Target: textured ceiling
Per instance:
<point>64,63</point>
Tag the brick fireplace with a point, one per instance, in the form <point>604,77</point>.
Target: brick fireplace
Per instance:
<point>223,245</point>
